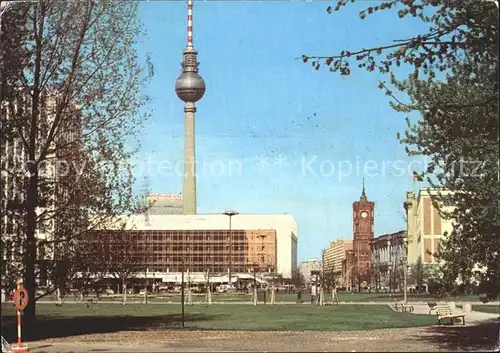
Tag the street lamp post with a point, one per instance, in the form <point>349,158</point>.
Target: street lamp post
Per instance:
<point>352,273</point>
<point>389,263</point>
<point>405,268</point>
<point>389,277</point>
<point>394,272</point>
<point>322,293</point>
<point>255,284</point>
<point>230,213</point>
<point>404,281</point>
<point>146,286</point>
<point>398,262</point>
<point>182,292</point>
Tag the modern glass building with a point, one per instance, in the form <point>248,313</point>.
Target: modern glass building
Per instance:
<point>163,244</point>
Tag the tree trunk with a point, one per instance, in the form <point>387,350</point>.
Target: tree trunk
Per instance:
<point>30,252</point>
<point>32,191</point>
<point>82,291</point>
<point>124,290</point>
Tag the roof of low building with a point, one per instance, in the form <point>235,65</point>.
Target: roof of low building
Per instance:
<point>211,222</point>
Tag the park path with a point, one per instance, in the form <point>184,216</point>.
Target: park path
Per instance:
<point>471,318</point>
<point>421,339</point>
<point>396,340</point>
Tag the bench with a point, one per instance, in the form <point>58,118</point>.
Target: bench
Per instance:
<point>404,307</point>
<point>432,308</point>
<point>444,312</point>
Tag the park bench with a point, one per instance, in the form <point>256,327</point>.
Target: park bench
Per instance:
<point>404,307</point>
<point>444,312</point>
<point>432,308</point>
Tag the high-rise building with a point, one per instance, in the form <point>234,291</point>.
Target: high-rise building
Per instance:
<point>56,191</point>
<point>190,88</point>
<point>336,254</point>
<point>363,224</point>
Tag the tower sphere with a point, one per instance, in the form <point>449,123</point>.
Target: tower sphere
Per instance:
<point>190,87</point>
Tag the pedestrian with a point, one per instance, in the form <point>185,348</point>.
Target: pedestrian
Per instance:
<point>299,296</point>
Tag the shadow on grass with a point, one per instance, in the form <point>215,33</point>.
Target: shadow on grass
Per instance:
<point>57,327</point>
<point>481,337</point>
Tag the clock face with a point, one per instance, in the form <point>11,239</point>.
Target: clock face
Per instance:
<point>364,214</point>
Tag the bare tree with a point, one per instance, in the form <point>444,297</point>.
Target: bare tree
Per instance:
<point>69,109</point>
<point>113,252</point>
<point>298,279</point>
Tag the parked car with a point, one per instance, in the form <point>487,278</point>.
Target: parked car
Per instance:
<point>163,289</point>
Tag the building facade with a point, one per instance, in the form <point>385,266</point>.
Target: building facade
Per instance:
<point>56,180</point>
<point>165,251</point>
<point>426,227</point>
<point>335,255</point>
<point>388,260</point>
<point>307,267</point>
<point>205,242</point>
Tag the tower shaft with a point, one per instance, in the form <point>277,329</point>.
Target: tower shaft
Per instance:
<point>190,88</point>
<point>189,186</point>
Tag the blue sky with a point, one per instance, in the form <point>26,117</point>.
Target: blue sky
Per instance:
<point>270,128</point>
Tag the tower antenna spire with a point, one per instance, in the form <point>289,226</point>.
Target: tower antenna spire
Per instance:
<point>190,24</point>
<point>363,193</point>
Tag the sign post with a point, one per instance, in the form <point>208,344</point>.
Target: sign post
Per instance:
<point>20,302</point>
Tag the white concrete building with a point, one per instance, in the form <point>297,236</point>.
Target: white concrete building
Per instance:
<point>307,266</point>
<point>284,225</point>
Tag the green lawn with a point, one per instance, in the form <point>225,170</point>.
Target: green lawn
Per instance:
<point>494,309</point>
<point>115,317</point>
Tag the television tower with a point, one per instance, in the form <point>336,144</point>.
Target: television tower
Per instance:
<point>190,88</point>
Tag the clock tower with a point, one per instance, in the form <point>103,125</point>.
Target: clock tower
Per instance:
<point>363,222</point>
